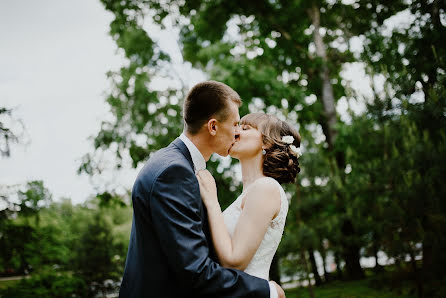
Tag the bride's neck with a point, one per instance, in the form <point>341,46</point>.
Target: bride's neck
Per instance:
<point>252,169</point>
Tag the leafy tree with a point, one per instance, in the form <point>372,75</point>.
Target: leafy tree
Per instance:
<point>365,182</point>
<point>95,256</point>
<point>33,199</point>
<point>411,60</point>
<point>16,243</point>
<point>274,68</point>
<point>12,131</point>
<point>19,239</point>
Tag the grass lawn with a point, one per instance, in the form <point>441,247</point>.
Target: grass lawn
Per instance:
<point>348,289</point>
<point>6,283</point>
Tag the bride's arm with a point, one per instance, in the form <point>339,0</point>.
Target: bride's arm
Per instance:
<point>262,203</point>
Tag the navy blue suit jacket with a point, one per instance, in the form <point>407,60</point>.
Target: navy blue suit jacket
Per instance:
<point>170,251</point>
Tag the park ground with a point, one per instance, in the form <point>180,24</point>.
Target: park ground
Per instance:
<point>374,285</point>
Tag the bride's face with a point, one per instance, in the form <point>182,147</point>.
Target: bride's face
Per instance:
<point>248,144</point>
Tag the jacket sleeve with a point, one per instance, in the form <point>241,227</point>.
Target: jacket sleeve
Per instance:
<point>175,208</point>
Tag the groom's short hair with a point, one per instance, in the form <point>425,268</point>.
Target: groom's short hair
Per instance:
<point>205,100</point>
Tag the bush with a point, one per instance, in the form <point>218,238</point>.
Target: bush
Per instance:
<point>47,284</point>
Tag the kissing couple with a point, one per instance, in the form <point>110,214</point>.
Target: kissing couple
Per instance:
<point>181,243</point>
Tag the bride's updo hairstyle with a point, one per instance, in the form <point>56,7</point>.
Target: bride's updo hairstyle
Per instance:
<point>280,162</point>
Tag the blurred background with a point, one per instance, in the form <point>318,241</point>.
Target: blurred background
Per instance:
<point>90,89</point>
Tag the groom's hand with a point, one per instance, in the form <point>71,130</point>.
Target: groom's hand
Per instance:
<point>280,292</point>
<point>208,188</point>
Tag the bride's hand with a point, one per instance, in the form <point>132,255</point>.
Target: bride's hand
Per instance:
<point>208,189</point>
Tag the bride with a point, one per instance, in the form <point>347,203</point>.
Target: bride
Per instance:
<point>246,235</point>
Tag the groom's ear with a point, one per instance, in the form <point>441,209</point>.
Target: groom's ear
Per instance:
<point>213,127</point>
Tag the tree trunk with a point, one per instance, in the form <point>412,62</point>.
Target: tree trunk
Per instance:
<point>307,271</point>
<point>375,245</point>
<point>352,265</point>
<point>351,252</point>
<point>427,258</point>
<point>302,252</point>
<point>328,99</point>
<point>418,281</point>
<point>274,272</point>
<point>324,263</point>
<point>378,267</point>
<point>317,278</point>
<point>338,265</point>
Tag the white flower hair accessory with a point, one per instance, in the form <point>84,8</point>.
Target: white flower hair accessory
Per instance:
<point>288,139</point>
<point>296,151</point>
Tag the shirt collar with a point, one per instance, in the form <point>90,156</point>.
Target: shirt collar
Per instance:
<point>197,157</point>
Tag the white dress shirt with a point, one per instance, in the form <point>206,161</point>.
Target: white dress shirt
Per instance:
<point>200,164</point>
<point>197,157</point>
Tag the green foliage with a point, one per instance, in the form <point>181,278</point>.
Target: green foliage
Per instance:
<point>16,247</point>
<point>33,199</point>
<point>369,183</point>
<point>75,250</point>
<point>47,284</point>
<point>7,283</point>
<point>21,241</point>
<point>95,260</point>
<point>342,289</point>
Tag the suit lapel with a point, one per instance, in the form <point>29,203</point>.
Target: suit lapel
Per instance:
<point>183,149</point>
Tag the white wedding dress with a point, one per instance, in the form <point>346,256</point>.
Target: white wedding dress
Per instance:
<point>261,261</point>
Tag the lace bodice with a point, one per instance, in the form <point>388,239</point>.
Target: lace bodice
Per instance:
<point>261,261</point>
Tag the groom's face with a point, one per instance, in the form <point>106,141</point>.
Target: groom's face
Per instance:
<point>228,131</point>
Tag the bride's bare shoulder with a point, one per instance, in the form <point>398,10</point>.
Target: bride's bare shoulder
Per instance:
<point>266,184</point>
<point>265,191</point>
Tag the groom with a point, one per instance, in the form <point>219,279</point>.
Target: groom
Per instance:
<point>170,252</point>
